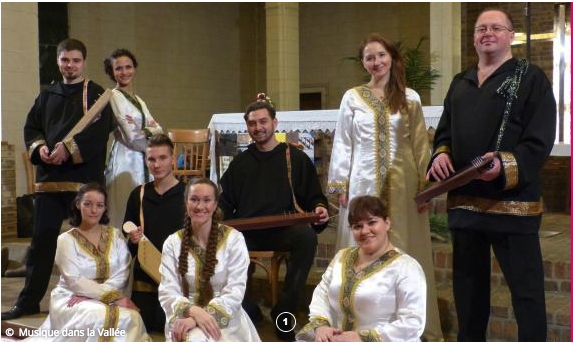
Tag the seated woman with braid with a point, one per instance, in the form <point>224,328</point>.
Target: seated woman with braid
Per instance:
<point>204,274</point>
<point>371,292</point>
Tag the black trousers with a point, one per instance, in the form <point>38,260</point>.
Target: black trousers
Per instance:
<point>519,257</point>
<point>50,209</point>
<point>150,310</point>
<point>301,242</point>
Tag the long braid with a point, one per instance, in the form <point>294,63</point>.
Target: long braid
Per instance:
<point>205,286</point>
<point>183,266</point>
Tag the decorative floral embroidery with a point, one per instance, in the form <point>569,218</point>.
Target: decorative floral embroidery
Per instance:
<point>369,336</point>
<point>220,315</point>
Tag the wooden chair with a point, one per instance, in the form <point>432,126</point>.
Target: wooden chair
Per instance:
<point>191,153</point>
<point>259,258</point>
<point>30,172</point>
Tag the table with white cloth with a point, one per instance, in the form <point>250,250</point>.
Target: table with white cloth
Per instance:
<point>302,121</point>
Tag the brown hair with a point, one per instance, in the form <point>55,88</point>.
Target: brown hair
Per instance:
<point>76,215</point>
<point>364,206</point>
<point>204,278</point>
<point>108,62</point>
<point>262,101</point>
<point>70,44</point>
<point>395,89</point>
<point>161,139</point>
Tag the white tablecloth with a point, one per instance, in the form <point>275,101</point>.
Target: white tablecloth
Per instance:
<point>324,120</point>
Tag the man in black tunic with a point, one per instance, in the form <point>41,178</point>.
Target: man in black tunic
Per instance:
<point>62,164</point>
<point>163,213</point>
<point>263,181</point>
<point>503,108</point>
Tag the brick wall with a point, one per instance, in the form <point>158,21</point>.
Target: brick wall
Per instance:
<point>8,191</point>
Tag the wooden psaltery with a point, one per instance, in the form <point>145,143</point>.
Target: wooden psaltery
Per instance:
<point>147,254</point>
<point>478,166</point>
<point>277,220</point>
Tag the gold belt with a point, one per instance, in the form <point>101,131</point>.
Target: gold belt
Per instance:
<point>41,187</point>
<point>142,286</point>
<point>477,204</point>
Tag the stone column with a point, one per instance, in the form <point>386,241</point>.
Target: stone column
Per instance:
<point>445,45</point>
<point>283,81</point>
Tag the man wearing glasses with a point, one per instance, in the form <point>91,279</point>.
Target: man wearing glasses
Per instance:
<point>502,108</point>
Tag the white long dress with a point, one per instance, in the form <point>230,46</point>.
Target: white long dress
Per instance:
<point>386,301</point>
<point>100,274</point>
<point>126,167</point>
<point>375,152</point>
<point>229,283</point>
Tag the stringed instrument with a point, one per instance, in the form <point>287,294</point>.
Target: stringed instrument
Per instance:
<point>147,254</point>
<point>275,220</point>
<point>478,166</point>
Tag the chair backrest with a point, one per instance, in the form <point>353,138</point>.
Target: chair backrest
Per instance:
<point>30,172</point>
<point>190,154</point>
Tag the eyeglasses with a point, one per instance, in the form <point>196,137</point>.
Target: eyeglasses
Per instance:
<point>495,29</point>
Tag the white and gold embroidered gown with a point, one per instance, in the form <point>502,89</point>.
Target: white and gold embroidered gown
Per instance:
<point>126,167</point>
<point>385,154</point>
<point>385,301</point>
<point>101,274</point>
<point>229,283</point>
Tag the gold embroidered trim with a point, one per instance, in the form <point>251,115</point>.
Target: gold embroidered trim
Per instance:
<point>74,150</point>
<point>34,145</point>
<point>100,253</point>
<point>110,323</point>
<point>381,142</point>
<point>369,336</point>
<point>220,315</point>
<point>510,168</point>
<point>351,279</point>
<point>315,322</point>
<point>339,187</point>
<point>180,310</point>
<point>51,187</point>
<point>515,208</point>
<point>442,149</point>
<point>111,296</point>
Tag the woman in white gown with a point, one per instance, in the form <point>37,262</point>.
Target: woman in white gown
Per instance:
<point>381,148</point>
<point>90,303</point>
<point>372,292</point>
<point>126,167</point>
<point>204,274</point>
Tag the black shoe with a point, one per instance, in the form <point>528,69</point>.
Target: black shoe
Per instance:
<point>19,311</point>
